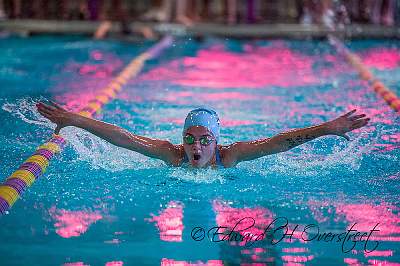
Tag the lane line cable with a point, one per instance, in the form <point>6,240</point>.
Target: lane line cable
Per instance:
<point>354,60</point>
<point>35,166</point>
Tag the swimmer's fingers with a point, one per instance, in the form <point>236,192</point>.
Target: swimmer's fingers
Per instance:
<point>349,113</point>
<point>359,123</point>
<point>50,107</point>
<point>45,110</point>
<point>354,118</point>
<point>42,108</point>
<point>45,106</point>
<point>57,105</point>
<point>45,113</point>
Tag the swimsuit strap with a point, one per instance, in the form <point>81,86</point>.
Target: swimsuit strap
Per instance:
<point>185,158</point>
<point>218,158</point>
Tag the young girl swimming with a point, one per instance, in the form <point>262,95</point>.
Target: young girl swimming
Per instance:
<point>200,134</point>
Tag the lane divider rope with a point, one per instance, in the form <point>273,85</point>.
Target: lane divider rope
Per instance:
<point>35,166</point>
<point>389,96</point>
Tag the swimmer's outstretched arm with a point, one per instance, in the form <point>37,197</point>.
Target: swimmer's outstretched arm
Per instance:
<point>155,148</point>
<point>245,151</point>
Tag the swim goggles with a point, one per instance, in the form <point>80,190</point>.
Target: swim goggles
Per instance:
<point>204,140</point>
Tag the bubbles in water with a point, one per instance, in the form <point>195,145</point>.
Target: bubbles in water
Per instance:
<point>207,175</point>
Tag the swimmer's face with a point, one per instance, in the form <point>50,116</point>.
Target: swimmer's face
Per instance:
<point>202,151</point>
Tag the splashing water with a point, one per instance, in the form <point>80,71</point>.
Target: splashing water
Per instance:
<point>96,193</point>
<point>25,110</point>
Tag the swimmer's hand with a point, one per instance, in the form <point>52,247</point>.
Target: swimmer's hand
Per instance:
<point>346,123</point>
<point>56,114</point>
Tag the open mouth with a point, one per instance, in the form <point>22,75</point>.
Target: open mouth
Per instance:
<point>196,157</point>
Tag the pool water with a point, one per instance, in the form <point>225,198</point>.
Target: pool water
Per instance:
<point>102,205</point>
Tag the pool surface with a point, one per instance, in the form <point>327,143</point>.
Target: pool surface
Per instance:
<point>102,205</point>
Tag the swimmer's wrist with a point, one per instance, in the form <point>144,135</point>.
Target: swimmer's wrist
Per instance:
<point>74,120</point>
<point>327,128</point>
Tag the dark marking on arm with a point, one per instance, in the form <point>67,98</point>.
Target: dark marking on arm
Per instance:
<point>298,140</point>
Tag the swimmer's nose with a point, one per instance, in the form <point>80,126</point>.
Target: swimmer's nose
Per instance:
<point>196,146</point>
<point>196,150</point>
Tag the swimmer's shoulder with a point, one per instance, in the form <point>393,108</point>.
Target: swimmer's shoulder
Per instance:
<point>226,156</point>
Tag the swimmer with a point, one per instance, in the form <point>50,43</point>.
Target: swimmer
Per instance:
<point>200,137</point>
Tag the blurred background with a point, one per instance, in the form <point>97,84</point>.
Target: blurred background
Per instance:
<point>329,13</point>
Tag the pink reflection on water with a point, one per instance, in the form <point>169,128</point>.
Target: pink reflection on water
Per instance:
<point>367,216</point>
<point>297,259</point>
<point>257,256</point>
<point>296,255</point>
<point>96,55</point>
<point>381,58</point>
<point>260,67</point>
<point>352,262</point>
<point>384,147</point>
<point>171,262</point>
<point>227,216</point>
<point>234,123</point>
<point>170,222</point>
<point>73,223</point>
<point>392,137</point>
<point>394,142</point>
<point>95,71</point>
<point>88,79</point>
<point>295,250</point>
<point>114,263</point>
<point>379,253</point>
<point>383,263</point>
<point>183,97</point>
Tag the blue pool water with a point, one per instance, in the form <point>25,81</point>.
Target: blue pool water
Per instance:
<point>102,205</point>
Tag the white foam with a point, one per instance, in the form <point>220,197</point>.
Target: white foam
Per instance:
<point>101,154</point>
<point>311,160</point>
<point>207,175</point>
<point>346,156</point>
<point>25,109</point>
